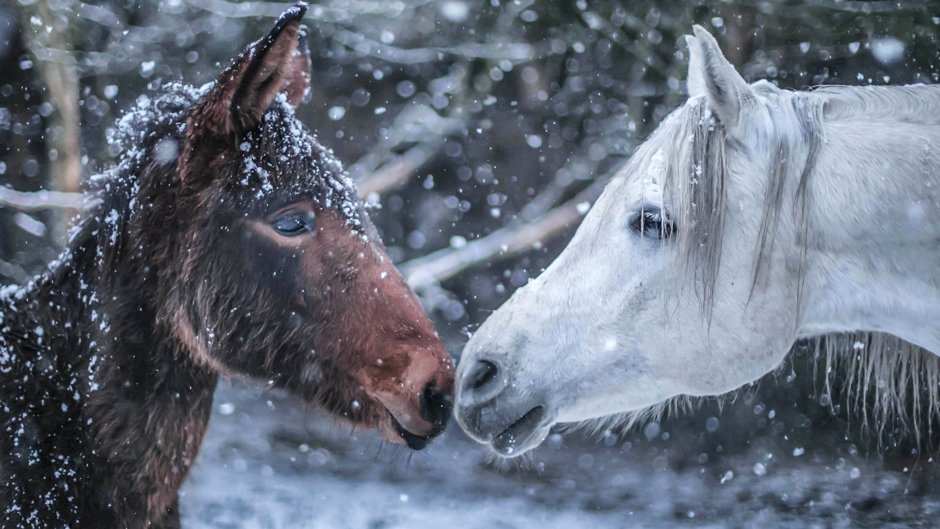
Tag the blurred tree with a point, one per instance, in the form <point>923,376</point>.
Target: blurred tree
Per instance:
<point>25,245</point>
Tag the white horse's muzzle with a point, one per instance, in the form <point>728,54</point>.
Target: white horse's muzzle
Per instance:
<point>493,410</point>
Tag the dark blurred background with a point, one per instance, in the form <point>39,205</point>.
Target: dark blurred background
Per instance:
<point>466,120</point>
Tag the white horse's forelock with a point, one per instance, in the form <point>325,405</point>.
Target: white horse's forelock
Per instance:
<point>891,386</point>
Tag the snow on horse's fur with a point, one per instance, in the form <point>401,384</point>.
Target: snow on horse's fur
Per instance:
<point>785,216</point>
<point>108,360</point>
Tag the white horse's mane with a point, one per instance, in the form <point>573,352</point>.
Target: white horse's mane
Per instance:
<point>892,386</point>
<point>898,104</point>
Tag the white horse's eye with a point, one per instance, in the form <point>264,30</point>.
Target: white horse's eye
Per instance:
<point>652,224</point>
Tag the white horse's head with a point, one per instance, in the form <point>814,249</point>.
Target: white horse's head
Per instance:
<point>682,280</point>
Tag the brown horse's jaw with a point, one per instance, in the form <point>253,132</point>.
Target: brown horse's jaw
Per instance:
<point>413,441</point>
<point>392,431</point>
<point>405,424</point>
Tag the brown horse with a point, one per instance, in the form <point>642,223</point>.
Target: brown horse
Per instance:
<point>226,241</point>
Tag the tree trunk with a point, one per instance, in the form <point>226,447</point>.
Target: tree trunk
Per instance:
<point>48,39</point>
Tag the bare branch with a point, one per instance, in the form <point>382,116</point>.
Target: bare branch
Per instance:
<point>327,13</point>
<point>400,169</point>
<point>557,188</point>
<point>99,15</point>
<point>515,52</point>
<point>414,124</point>
<point>431,269</point>
<point>869,7</point>
<point>39,200</point>
<point>380,171</point>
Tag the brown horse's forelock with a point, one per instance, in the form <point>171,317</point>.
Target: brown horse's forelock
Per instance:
<point>145,192</point>
<point>276,163</point>
<point>280,162</point>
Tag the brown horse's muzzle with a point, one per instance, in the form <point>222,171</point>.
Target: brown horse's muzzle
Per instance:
<point>419,400</point>
<point>370,326</point>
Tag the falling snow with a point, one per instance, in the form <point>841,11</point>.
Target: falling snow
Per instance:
<point>464,121</point>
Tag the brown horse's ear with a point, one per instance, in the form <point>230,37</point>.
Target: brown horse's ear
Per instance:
<point>277,63</point>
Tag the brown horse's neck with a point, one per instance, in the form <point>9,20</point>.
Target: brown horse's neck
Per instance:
<point>144,404</point>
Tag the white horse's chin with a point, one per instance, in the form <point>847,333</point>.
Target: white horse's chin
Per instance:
<point>580,417</point>
<point>512,448</point>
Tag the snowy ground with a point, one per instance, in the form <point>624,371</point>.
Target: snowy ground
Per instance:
<point>268,463</point>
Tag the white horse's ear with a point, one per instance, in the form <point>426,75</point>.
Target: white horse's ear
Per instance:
<point>696,83</point>
<point>711,74</point>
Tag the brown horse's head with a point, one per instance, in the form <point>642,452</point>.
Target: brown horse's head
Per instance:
<point>282,276</point>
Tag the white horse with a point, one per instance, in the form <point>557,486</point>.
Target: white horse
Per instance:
<point>751,218</point>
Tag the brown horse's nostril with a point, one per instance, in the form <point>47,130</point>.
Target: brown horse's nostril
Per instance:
<point>435,406</point>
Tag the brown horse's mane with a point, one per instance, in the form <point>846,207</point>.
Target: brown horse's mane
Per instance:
<point>63,331</point>
<point>115,192</point>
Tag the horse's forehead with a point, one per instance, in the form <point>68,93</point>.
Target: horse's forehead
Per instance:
<point>643,182</point>
<point>655,169</point>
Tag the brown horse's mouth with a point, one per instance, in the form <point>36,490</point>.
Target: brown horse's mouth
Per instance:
<point>414,421</point>
<point>414,441</point>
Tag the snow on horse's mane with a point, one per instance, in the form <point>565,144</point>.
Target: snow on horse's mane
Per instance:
<point>148,117</point>
<point>151,119</point>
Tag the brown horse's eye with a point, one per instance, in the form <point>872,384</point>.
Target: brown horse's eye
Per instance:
<point>293,224</point>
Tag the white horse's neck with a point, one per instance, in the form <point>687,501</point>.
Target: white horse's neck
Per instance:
<point>874,260</point>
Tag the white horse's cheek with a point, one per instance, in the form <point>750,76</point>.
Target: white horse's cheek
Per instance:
<point>568,315</point>
<point>642,393</point>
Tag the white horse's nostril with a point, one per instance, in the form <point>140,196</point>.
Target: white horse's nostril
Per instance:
<point>483,373</point>
<point>481,383</point>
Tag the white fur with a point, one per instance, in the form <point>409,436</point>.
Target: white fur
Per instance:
<point>829,220</point>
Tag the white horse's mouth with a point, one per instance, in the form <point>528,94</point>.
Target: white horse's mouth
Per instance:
<point>523,435</point>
